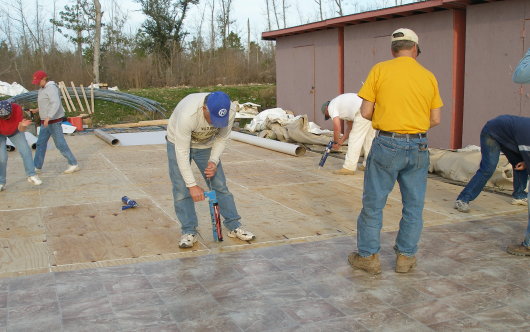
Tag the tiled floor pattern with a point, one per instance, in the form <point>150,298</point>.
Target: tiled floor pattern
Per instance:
<point>464,281</point>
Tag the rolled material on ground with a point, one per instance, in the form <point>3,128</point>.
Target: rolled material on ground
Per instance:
<point>107,138</point>
<point>292,149</point>
<point>32,140</point>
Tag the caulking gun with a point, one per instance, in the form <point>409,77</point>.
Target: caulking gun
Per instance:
<point>325,154</point>
<point>214,213</point>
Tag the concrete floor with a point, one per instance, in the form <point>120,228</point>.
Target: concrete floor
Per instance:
<point>71,259</point>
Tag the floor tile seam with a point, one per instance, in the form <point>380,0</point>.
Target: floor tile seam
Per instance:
<point>126,261</point>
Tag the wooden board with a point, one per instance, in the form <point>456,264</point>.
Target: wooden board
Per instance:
<point>75,221</point>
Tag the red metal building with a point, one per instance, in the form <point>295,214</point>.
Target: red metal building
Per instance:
<point>472,47</point>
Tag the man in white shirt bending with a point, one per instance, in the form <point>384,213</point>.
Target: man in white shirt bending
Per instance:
<point>358,131</point>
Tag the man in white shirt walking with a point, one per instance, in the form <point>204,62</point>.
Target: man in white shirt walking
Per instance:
<point>198,130</point>
<point>358,131</point>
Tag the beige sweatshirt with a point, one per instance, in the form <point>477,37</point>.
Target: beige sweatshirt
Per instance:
<point>187,128</point>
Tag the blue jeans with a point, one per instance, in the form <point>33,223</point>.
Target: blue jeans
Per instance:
<point>56,132</point>
<point>490,150</point>
<point>19,140</point>
<point>184,205</point>
<point>391,159</point>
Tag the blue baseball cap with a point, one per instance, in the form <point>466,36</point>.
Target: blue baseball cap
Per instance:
<point>5,109</point>
<point>218,104</point>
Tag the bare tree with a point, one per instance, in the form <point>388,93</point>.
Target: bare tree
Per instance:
<point>338,3</point>
<point>275,12</point>
<point>284,14</point>
<point>212,25</point>
<point>319,4</point>
<point>224,19</point>
<point>97,40</point>
<point>268,15</point>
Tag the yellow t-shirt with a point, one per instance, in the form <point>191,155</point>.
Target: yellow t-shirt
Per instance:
<point>404,93</point>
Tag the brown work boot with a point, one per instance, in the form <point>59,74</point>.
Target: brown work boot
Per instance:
<point>404,263</point>
<point>518,250</point>
<point>369,264</point>
<point>344,171</point>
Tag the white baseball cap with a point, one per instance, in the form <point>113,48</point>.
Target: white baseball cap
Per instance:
<point>405,34</point>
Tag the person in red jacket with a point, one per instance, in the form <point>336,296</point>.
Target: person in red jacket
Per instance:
<point>12,126</point>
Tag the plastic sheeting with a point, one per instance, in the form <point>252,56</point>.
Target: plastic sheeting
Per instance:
<point>461,166</point>
<point>11,89</point>
<point>277,124</point>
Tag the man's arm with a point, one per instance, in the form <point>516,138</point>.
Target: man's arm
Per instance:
<point>23,125</point>
<point>436,117</point>
<point>521,74</point>
<point>347,131</point>
<point>336,131</point>
<point>367,109</point>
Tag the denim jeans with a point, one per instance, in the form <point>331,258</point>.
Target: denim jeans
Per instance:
<point>54,130</point>
<point>393,159</point>
<point>490,150</point>
<point>19,140</point>
<point>184,205</point>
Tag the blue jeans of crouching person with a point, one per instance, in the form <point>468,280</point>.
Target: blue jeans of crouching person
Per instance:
<point>490,150</point>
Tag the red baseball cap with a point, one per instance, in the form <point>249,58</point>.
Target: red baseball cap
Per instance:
<point>38,76</point>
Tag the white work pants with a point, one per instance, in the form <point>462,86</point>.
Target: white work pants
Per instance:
<point>361,136</point>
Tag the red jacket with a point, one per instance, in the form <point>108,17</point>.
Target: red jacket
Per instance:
<point>10,126</point>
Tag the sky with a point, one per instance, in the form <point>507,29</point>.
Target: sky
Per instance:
<point>298,12</point>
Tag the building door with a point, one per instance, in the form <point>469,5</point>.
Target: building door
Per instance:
<point>296,81</point>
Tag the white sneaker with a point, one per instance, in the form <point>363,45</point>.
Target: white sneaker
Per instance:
<point>187,240</point>
<point>519,201</point>
<point>71,169</point>
<point>2,187</point>
<point>38,170</point>
<point>242,234</point>
<point>34,180</point>
<point>462,206</point>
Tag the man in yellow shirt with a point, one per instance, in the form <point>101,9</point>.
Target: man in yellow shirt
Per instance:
<point>402,100</point>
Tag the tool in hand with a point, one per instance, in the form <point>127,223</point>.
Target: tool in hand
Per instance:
<point>214,213</point>
<point>325,154</point>
<point>129,203</point>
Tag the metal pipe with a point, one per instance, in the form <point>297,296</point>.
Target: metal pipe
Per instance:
<point>292,149</point>
<point>107,138</point>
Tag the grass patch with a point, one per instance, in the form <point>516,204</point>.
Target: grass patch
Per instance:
<point>111,113</point>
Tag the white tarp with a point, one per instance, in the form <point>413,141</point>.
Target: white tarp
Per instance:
<point>461,166</point>
<point>11,89</point>
<point>260,121</point>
